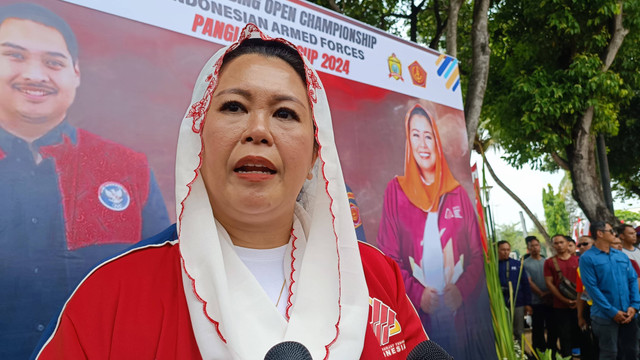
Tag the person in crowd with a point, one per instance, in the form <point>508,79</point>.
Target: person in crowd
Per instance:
<point>617,244</point>
<point>515,286</point>
<point>584,244</point>
<point>588,342</point>
<point>572,246</point>
<point>563,265</point>
<point>70,198</point>
<point>429,226</point>
<point>627,235</point>
<point>612,283</point>
<point>541,297</point>
<point>264,250</point>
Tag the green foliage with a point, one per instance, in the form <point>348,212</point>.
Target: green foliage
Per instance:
<point>513,234</point>
<point>555,212</point>
<point>548,355</point>
<point>564,189</point>
<point>546,71</point>
<point>372,12</point>
<point>628,216</point>
<point>624,152</point>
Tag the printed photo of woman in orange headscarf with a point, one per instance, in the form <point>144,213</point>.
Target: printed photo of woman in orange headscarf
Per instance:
<point>429,226</point>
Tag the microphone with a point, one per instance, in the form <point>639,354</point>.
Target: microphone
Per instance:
<point>428,350</point>
<point>289,350</point>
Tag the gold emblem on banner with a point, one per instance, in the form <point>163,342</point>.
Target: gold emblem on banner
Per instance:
<point>418,74</point>
<point>395,67</point>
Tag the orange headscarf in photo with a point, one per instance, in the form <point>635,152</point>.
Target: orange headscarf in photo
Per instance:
<point>426,197</point>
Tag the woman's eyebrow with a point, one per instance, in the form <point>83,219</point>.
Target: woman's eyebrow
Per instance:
<point>280,98</point>
<point>247,94</point>
<point>237,91</point>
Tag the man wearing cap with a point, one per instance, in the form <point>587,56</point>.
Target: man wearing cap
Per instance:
<point>70,198</point>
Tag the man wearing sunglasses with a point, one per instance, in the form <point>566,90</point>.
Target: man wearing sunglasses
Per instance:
<point>584,244</point>
<point>611,281</point>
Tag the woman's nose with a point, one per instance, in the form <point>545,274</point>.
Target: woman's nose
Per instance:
<point>258,130</point>
<point>423,141</point>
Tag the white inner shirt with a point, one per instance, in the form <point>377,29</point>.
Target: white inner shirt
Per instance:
<point>267,266</point>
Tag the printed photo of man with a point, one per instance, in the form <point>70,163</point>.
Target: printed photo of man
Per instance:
<point>70,198</point>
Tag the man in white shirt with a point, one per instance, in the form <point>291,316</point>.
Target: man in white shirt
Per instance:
<point>627,235</point>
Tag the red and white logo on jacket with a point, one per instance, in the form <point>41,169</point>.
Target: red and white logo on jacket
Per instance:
<point>383,321</point>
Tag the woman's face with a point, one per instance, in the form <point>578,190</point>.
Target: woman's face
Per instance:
<point>422,143</point>
<point>258,140</point>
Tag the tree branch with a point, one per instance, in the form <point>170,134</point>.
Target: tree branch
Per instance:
<point>400,16</point>
<point>619,33</point>
<point>440,26</point>
<point>334,6</point>
<point>421,5</point>
<point>564,164</point>
<point>518,200</point>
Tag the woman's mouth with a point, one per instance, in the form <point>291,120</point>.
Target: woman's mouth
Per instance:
<point>255,168</point>
<point>425,155</point>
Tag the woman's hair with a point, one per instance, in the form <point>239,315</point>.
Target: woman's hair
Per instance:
<point>418,111</point>
<point>269,48</point>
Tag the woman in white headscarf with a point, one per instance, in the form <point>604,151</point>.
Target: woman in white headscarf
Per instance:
<point>264,250</point>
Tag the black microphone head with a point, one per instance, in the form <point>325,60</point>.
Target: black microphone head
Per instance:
<point>290,350</point>
<point>428,350</point>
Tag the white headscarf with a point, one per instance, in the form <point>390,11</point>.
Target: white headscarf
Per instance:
<point>327,298</point>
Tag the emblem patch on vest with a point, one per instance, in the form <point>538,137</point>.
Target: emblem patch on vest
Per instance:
<point>114,196</point>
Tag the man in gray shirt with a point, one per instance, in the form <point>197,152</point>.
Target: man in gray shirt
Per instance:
<point>541,296</point>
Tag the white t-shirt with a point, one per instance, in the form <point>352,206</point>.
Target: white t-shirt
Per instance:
<point>633,254</point>
<point>267,266</point>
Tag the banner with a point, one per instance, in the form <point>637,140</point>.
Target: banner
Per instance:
<point>89,112</point>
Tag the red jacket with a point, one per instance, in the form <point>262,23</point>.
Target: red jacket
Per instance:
<point>135,308</point>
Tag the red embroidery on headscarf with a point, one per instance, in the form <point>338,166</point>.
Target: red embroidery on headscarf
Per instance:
<point>204,303</point>
<point>333,224</point>
<point>291,280</point>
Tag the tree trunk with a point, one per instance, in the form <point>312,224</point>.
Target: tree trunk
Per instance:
<point>587,188</point>
<point>515,197</point>
<point>479,69</point>
<point>452,28</point>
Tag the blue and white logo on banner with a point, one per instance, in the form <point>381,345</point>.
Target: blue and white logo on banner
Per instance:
<point>114,196</point>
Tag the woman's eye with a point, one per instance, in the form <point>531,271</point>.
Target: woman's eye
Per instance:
<point>232,106</point>
<point>286,114</point>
